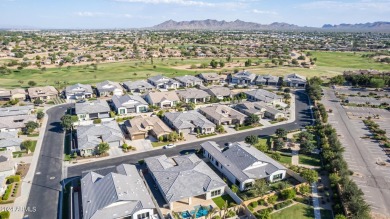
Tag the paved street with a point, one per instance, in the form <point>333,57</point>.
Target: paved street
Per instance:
<point>302,118</point>
<point>46,186</point>
<point>361,156</point>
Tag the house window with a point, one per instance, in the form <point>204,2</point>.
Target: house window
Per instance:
<point>216,163</point>
<point>277,176</point>
<point>143,215</point>
<point>215,193</point>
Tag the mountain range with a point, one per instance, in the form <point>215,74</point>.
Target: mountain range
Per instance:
<point>210,24</point>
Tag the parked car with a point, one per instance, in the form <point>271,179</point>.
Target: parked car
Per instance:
<point>227,144</point>
<point>169,146</point>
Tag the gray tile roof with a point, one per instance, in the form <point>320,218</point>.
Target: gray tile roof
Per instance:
<point>135,85</point>
<point>161,79</point>
<point>211,76</point>
<point>6,162</point>
<point>219,91</point>
<point>183,176</point>
<point>243,161</point>
<point>189,119</point>
<point>245,75</point>
<point>267,78</point>
<point>9,139</point>
<point>294,78</point>
<point>188,79</point>
<point>108,86</point>
<point>115,195</point>
<point>91,136</point>
<point>78,88</point>
<point>192,93</point>
<point>16,122</point>
<point>16,110</point>
<point>97,106</point>
<point>255,108</point>
<point>263,95</point>
<point>128,101</point>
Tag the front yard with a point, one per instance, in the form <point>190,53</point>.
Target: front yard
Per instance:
<point>312,160</point>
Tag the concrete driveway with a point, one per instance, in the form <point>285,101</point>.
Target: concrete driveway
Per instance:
<point>141,144</point>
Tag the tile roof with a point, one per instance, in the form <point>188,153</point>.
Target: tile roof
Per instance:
<point>115,195</point>
<point>188,79</point>
<point>222,112</point>
<point>16,122</point>
<point>158,97</point>
<point>77,88</point>
<point>211,76</point>
<point>192,93</point>
<point>295,78</point>
<point>9,139</point>
<point>242,160</point>
<point>256,107</point>
<point>219,91</point>
<point>128,101</point>
<point>263,95</point>
<point>91,135</point>
<point>97,106</point>
<point>6,161</point>
<point>144,124</point>
<point>183,176</point>
<point>16,110</point>
<point>108,86</point>
<point>245,75</point>
<point>34,92</point>
<point>134,85</point>
<point>189,119</point>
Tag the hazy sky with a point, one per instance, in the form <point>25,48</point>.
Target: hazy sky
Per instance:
<point>146,13</point>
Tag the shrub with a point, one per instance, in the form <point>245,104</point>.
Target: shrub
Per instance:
<point>12,179</point>
<point>261,202</point>
<point>7,192</point>
<point>282,204</point>
<point>254,204</point>
<point>141,162</point>
<point>216,217</point>
<point>4,215</point>
<point>272,199</point>
<point>97,121</point>
<point>230,213</point>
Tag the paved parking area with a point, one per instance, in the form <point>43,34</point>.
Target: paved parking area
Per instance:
<point>360,91</point>
<point>369,100</point>
<point>366,111</point>
<point>385,125</point>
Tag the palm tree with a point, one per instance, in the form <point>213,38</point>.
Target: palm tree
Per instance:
<point>211,212</point>
<point>225,207</point>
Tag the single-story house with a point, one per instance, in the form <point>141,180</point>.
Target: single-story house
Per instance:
<point>188,81</point>
<point>109,88</point>
<point>14,94</point>
<point>138,86</point>
<point>129,104</point>
<point>243,164</point>
<point>79,91</point>
<point>9,141</point>
<point>42,93</point>
<point>189,122</point>
<point>7,168</point>
<point>295,80</point>
<point>163,82</point>
<point>15,123</point>
<point>220,92</point>
<point>16,110</point>
<point>183,177</point>
<point>244,78</point>
<point>162,99</point>
<point>119,194</point>
<point>90,136</point>
<point>223,115</point>
<point>143,127</point>
<point>264,96</point>
<point>193,95</point>
<point>212,78</point>
<point>97,109</point>
<point>259,108</point>
<point>267,80</point>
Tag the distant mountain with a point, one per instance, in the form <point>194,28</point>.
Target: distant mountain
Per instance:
<point>243,25</point>
<point>380,25</point>
<point>223,25</point>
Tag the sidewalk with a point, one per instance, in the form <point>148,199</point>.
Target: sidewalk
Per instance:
<point>22,200</point>
<point>290,120</point>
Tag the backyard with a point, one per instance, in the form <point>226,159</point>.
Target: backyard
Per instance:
<point>312,160</point>
<point>221,200</point>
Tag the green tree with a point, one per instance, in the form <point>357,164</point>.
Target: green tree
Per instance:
<point>276,156</point>
<point>302,136</point>
<point>278,144</point>
<point>32,83</point>
<point>28,145</point>
<point>272,199</point>
<point>30,127</point>
<point>103,148</point>
<point>338,80</point>
<point>252,119</point>
<point>235,188</point>
<point>252,139</point>
<point>248,63</point>
<point>214,64</point>
<point>340,216</point>
<point>310,175</point>
<point>40,114</point>
<point>288,193</point>
<point>66,122</point>
<point>304,189</point>
<point>307,147</point>
<point>281,132</point>
<point>377,82</point>
<point>260,187</point>
<point>221,64</point>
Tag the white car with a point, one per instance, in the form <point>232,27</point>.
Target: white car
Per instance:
<point>169,146</point>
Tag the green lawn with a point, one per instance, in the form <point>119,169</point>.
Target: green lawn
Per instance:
<point>33,135</point>
<point>326,214</point>
<point>244,127</point>
<point>285,159</point>
<point>312,160</point>
<point>207,135</point>
<point>220,201</point>
<point>34,144</point>
<point>159,144</point>
<point>329,64</point>
<point>297,211</point>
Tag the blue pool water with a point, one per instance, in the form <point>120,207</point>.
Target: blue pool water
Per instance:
<point>201,211</point>
<point>185,214</point>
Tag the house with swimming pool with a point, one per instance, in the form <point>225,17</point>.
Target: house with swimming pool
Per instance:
<point>243,164</point>
<point>184,179</point>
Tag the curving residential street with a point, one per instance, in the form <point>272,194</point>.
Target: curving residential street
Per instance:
<point>46,183</point>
